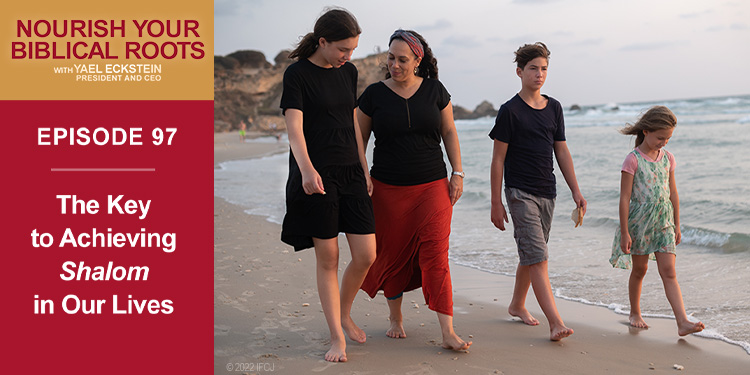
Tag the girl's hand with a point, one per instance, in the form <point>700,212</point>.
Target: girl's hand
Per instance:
<point>499,216</point>
<point>456,188</point>
<point>625,243</point>
<point>369,184</point>
<point>312,183</point>
<point>677,235</point>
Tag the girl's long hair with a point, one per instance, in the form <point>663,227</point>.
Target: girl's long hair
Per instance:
<point>656,118</point>
<point>334,25</point>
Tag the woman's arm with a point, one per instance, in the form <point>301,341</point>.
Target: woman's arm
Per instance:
<point>362,144</point>
<point>450,139</point>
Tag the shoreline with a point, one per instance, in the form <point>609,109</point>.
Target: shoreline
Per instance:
<point>268,318</point>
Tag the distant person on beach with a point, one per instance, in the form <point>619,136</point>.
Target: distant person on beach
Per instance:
<point>529,128</point>
<point>328,184</point>
<point>410,113</point>
<point>243,127</point>
<point>275,132</point>
<point>650,215</point>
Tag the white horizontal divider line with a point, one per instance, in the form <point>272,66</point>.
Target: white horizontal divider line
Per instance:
<point>103,169</point>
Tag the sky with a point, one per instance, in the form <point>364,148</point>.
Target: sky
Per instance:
<point>602,51</point>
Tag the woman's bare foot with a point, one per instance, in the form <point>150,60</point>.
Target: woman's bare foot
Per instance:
<point>525,315</point>
<point>337,353</point>
<point>454,342</point>
<point>355,333</point>
<point>689,327</point>
<point>396,331</point>
<point>637,321</point>
<point>559,333</point>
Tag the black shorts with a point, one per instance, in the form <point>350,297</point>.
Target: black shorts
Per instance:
<point>346,207</point>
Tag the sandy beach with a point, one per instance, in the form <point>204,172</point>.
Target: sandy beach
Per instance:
<point>268,317</point>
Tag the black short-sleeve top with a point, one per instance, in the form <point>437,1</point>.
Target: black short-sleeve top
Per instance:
<point>407,132</point>
<point>531,135</point>
<point>327,98</point>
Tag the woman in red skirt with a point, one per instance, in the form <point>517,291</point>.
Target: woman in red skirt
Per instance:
<point>410,113</point>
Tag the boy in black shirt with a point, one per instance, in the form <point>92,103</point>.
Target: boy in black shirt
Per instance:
<point>529,128</point>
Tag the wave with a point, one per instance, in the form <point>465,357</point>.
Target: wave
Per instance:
<point>269,139</point>
<point>596,117</point>
<point>691,111</point>
<point>621,310</point>
<point>728,101</point>
<point>711,334</point>
<point>474,199</point>
<point>723,101</point>
<point>472,265</point>
<point>728,243</point>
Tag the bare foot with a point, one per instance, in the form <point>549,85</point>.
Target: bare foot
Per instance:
<point>337,353</point>
<point>396,331</point>
<point>525,315</point>
<point>454,342</point>
<point>355,333</point>
<point>559,333</point>
<point>637,321</point>
<point>689,327</point>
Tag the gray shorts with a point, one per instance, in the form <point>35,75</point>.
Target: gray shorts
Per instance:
<point>532,218</point>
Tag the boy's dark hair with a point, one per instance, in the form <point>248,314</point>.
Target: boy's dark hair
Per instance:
<point>528,52</point>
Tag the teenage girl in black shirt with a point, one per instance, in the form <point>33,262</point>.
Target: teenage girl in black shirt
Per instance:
<point>327,188</point>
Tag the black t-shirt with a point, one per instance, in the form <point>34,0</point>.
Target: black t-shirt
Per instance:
<point>327,98</point>
<point>407,133</point>
<point>531,135</point>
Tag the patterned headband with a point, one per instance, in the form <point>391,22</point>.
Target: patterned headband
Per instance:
<point>414,44</point>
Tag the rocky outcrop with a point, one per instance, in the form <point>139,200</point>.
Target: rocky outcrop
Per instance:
<point>484,109</point>
<point>251,60</point>
<point>245,84</point>
<point>371,69</point>
<point>461,112</point>
<point>248,88</point>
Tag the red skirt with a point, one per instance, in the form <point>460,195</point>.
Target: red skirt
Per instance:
<point>412,228</point>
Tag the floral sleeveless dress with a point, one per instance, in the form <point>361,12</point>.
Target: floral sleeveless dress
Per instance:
<point>651,215</point>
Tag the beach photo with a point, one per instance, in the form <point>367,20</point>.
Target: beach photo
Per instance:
<point>606,72</point>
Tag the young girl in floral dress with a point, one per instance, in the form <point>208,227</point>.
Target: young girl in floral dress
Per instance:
<point>650,215</point>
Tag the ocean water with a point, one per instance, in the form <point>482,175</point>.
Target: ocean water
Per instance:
<point>713,264</point>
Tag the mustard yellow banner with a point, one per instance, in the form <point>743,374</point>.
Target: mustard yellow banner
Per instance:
<point>97,50</point>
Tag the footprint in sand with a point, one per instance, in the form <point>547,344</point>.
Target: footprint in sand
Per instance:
<point>221,330</point>
<point>324,367</point>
